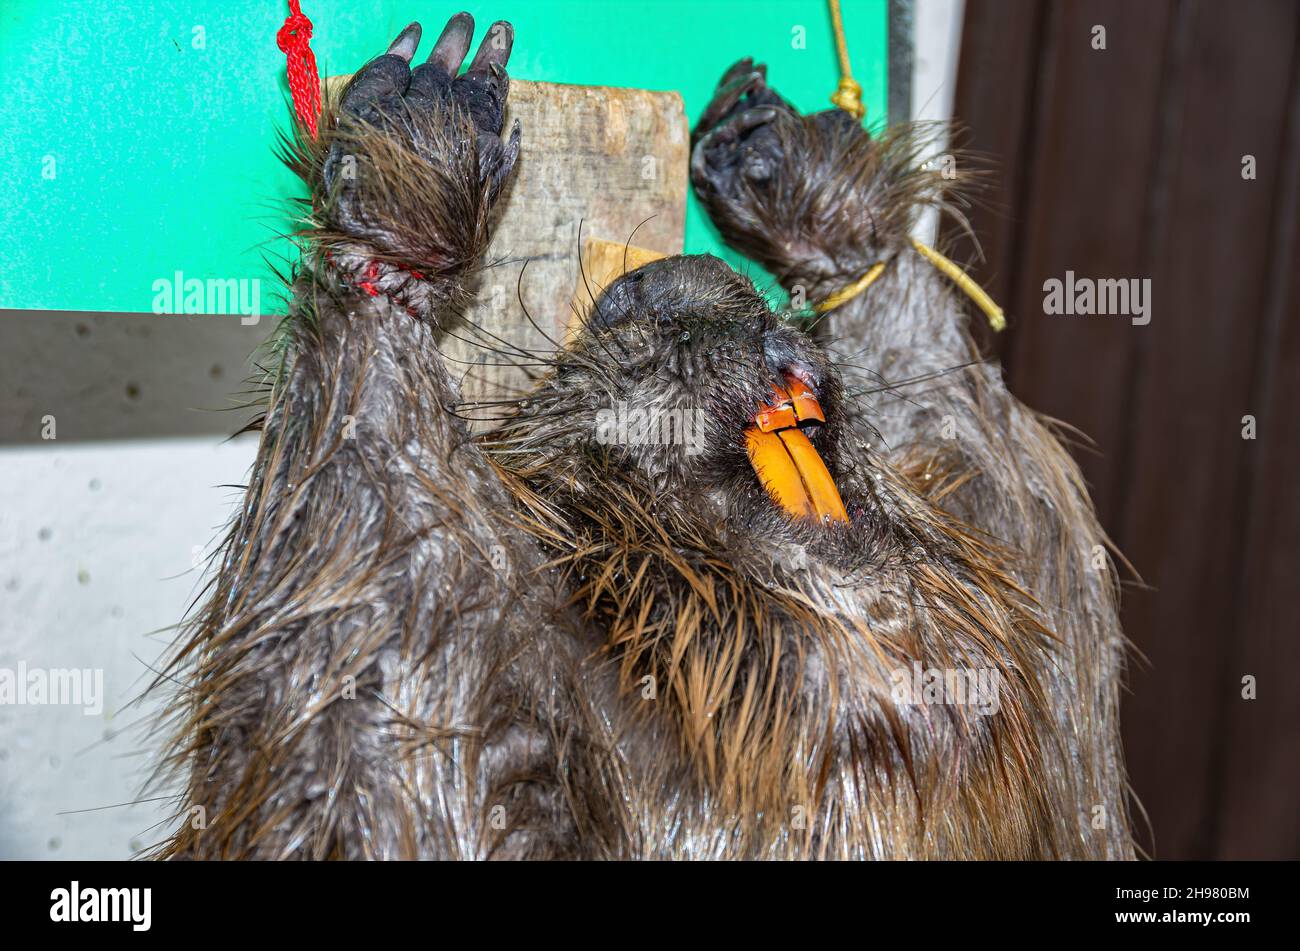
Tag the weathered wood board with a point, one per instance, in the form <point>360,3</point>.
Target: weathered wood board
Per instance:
<point>611,161</point>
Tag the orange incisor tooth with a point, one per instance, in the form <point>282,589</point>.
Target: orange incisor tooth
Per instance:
<point>786,463</point>
<point>777,472</point>
<point>817,481</point>
<point>771,418</point>
<point>804,402</point>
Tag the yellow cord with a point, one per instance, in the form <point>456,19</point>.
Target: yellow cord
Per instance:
<point>849,94</point>
<point>967,283</point>
<point>997,320</point>
<point>849,98</point>
<point>853,290</point>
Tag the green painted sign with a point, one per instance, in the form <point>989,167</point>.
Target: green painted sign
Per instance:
<point>137,138</point>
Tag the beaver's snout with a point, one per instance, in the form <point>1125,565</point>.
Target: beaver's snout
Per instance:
<point>688,337</point>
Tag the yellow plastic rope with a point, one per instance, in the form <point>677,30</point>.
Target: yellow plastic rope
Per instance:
<point>997,320</point>
<point>849,98</point>
<point>849,94</point>
<point>853,290</point>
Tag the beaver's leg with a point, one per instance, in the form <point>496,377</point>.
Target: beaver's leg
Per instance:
<point>358,685</point>
<point>818,201</point>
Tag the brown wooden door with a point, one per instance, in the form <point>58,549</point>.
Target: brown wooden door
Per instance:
<point>1132,162</point>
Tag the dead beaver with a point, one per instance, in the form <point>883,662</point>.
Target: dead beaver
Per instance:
<point>856,619</point>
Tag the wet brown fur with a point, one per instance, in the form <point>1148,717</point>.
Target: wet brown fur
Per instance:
<point>561,648</point>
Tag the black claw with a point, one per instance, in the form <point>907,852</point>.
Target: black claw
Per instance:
<point>507,158</point>
<point>449,52</point>
<point>752,118</point>
<point>730,131</point>
<point>496,46</point>
<point>700,163</point>
<point>728,96</point>
<point>738,69</point>
<point>741,93</point>
<point>406,43</point>
<point>502,80</point>
<point>512,146</point>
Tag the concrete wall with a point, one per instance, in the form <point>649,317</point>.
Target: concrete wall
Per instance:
<point>101,547</point>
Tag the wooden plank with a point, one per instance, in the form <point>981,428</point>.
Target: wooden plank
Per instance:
<point>1184,491</point>
<point>612,162</point>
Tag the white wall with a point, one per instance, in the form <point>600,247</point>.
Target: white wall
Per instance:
<point>98,552</point>
<point>937,25</point>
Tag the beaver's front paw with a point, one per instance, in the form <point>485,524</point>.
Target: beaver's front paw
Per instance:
<point>416,156</point>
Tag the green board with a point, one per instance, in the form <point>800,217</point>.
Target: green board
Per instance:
<point>137,138</point>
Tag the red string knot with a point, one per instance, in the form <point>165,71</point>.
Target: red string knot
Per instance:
<point>294,40</point>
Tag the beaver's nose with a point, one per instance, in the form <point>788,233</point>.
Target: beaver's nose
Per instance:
<point>783,356</point>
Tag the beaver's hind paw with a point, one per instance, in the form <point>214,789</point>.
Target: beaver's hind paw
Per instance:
<point>735,136</point>
<point>388,94</point>
<point>415,157</point>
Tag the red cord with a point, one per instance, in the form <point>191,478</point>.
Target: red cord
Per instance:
<point>372,275</point>
<point>294,40</point>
